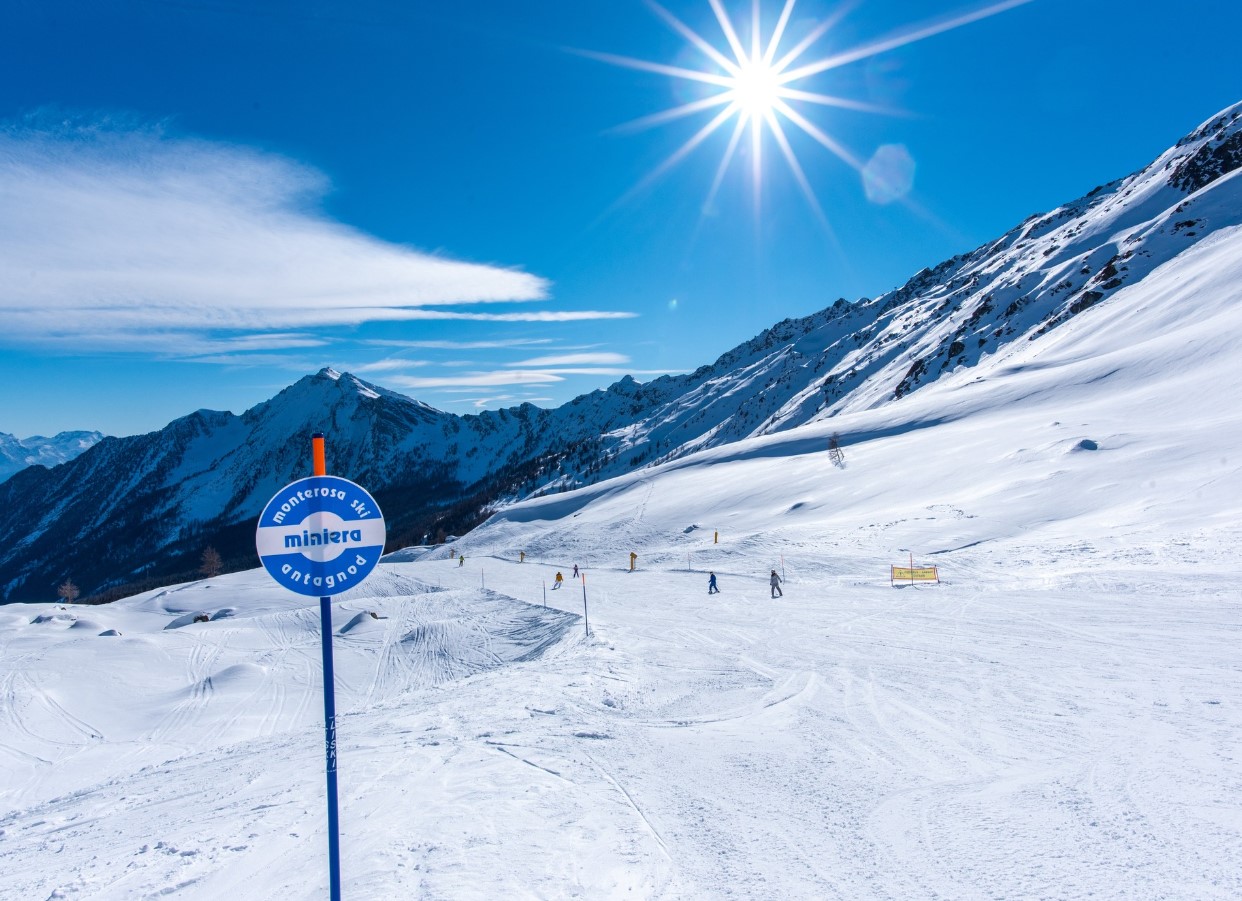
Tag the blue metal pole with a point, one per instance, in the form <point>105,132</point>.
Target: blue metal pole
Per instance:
<point>329,726</point>
<point>319,462</point>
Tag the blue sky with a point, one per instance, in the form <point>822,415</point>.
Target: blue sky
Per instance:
<point>203,200</point>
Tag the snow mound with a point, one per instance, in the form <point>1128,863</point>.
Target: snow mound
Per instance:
<point>239,676</point>
<point>409,554</point>
<point>365,622</point>
<point>188,619</point>
<point>57,619</point>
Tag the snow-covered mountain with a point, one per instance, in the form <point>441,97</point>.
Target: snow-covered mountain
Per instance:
<point>146,506</point>
<point>986,303</point>
<point>18,453</point>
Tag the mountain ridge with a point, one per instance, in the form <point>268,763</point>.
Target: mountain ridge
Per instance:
<point>204,477</point>
<point>18,453</point>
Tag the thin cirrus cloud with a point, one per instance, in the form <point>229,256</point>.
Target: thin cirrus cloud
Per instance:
<point>505,377</point>
<point>457,345</point>
<point>591,359</point>
<point>387,366</point>
<point>125,239</point>
<point>477,379</point>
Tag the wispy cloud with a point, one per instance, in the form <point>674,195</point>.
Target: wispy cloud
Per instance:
<point>477,379</point>
<point>600,359</point>
<point>118,238</point>
<point>531,316</point>
<point>387,366</point>
<point>469,380</point>
<point>481,403</point>
<point>458,345</point>
<point>604,370</point>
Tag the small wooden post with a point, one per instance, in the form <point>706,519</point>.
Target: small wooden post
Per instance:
<point>586,619</point>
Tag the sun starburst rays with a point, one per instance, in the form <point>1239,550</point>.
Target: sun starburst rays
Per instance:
<point>754,91</point>
<point>758,90</point>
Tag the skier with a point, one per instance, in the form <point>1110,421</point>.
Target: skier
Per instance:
<point>521,556</point>
<point>776,585</point>
<point>559,581</point>
<point>575,570</point>
<point>461,560</point>
<point>711,584</point>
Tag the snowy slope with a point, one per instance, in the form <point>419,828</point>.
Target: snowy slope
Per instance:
<point>1058,719</point>
<point>18,453</point>
<point>145,507</point>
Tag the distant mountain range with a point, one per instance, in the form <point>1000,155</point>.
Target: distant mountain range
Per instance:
<point>133,512</point>
<point>18,453</point>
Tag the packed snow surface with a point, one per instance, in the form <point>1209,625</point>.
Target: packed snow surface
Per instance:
<point>1059,718</point>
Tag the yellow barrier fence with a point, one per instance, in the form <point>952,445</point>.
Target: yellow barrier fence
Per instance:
<point>913,574</point>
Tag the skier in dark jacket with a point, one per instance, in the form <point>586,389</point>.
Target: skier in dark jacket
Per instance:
<point>776,585</point>
<point>711,584</point>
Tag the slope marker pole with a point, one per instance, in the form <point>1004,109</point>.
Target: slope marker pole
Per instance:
<point>586,620</point>
<point>329,712</point>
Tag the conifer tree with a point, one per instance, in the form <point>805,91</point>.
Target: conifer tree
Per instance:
<point>68,591</point>
<point>211,563</point>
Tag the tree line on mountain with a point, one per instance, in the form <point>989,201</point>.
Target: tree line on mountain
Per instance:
<point>425,510</point>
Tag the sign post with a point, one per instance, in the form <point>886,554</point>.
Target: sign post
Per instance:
<point>315,536</point>
<point>586,619</point>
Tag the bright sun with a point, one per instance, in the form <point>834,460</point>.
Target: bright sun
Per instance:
<point>756,89</point>
<point>758,85</point>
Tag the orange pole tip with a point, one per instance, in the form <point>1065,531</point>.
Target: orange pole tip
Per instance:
<point>317,453</point>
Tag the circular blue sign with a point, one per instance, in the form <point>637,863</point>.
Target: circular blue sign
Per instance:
<point>320,536</point>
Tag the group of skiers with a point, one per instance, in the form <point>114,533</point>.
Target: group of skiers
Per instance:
<point>712,588</point>
<point>774,581</point>
<point>560,579</point>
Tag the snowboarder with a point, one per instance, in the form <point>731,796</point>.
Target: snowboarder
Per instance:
<point>575,570</point>
<point>559,581</point>
<point>776,585</point>
<point>711,584</point>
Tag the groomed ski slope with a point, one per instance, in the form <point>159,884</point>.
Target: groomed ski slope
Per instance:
<point>1059,719</point>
